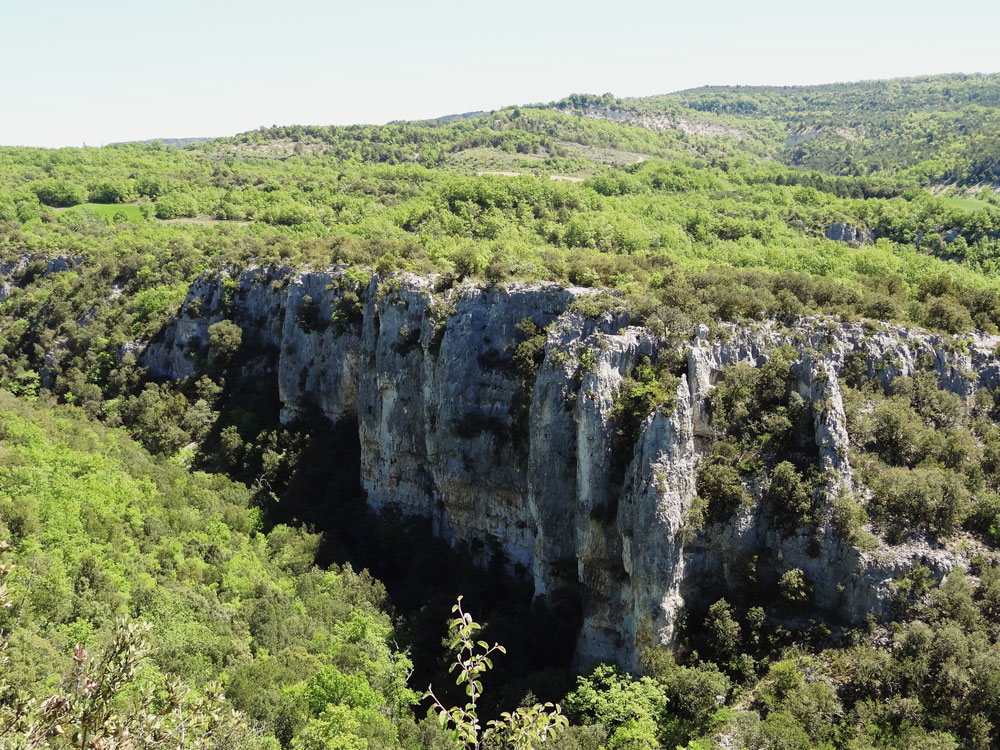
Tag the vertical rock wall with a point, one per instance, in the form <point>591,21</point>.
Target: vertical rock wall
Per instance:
<point>429,377</point>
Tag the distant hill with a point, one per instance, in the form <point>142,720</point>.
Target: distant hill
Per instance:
<point>929,130</point>
<point>946,127</point>
<point>175,142</point>
<point>462,116</point>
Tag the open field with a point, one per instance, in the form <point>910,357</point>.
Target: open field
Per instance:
<point>130,211</point>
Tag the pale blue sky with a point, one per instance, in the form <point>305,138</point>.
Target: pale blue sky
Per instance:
<point>98,71</point>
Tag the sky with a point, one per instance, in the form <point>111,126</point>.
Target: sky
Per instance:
<point>101,71</point>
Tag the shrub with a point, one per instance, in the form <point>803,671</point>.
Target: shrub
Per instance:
<point>113,191</point>
<point>287,213</point>
<point>721,487</point>
<point>224,339</point>
<point>848,519</point>
<point>723,631</point>
<point>175,205</point>
<point>794,588</point>
<point>309,317</point>
<point>929,497</point>
<point>648,387</point>
<point>790,493</point>
<point>632,711</point>
<point>947,314</point>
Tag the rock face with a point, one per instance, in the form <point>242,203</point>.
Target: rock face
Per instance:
<point>654,121</point>
<point>255,300</point>
<point>12,272</point>
<point>449,430</point>
<point>849,233</point>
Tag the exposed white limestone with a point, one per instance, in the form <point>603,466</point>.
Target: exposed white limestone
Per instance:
<point>429,379</point>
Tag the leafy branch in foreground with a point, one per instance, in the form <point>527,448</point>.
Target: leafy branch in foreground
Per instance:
<point>96,710</point>
<point>520,729</point>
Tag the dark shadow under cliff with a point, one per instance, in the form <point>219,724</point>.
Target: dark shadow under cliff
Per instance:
<point>424,575</point>
<point>309,474</point>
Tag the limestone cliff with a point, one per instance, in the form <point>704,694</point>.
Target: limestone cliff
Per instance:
<point>428,375</point>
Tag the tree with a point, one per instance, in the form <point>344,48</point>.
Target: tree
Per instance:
<point>521,729</point>
<point>59,193</point>
<point>224,338</point>
<point>789,492</point>
<point>794,587</point>
<point>634,712</point>
<point>113,191</point>
<point>723,630</point>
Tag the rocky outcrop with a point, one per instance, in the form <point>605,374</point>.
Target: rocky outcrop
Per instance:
<point>842,232</point>
<point>255,300</point>
<point>320,361</point>
<point>663,121</point>
<point>450,430</point>
<point>802,135</point>
<point>14,271</point>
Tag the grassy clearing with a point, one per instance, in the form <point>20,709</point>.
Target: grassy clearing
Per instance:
<point>966,204</point>
<point>108,211</point>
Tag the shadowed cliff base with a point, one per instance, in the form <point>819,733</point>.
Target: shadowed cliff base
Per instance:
<point>423,574</point>
<point>306,473</point>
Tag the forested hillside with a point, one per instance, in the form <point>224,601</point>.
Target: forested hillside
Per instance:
<point>151,470</point>
<point>102,531</point>
<point>922,130</point>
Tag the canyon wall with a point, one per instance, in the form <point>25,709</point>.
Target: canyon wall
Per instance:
<point>450,430</point>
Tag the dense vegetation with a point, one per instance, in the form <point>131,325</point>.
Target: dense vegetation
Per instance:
<point>926,469</point>
<point>921,130</point>
<point>697,207</point>
<point>101,530</point>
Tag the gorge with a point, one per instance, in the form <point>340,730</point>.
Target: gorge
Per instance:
<point>452,430</point>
